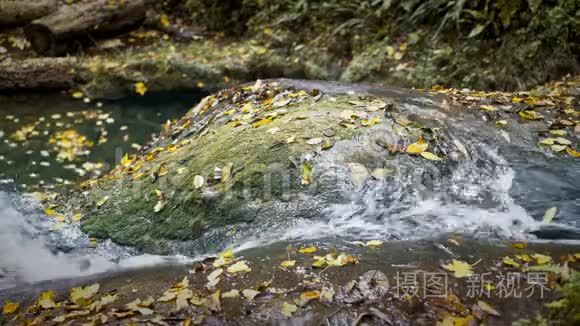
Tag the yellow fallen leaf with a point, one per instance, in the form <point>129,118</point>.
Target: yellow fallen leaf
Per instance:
<point>341,260</point>
<point>563,141</point>
<point>529,115</point>
<point>160,203</point>
<point>250,294</point>
<point>79,295</point>
<point>519,245</point>
<point>558,132</point>
<point>307,250</point>
<point>102,201</point>
<point>231,294</point>
<point>239,267</point>
<point>182,299</point>
<point>198,181</point>
<point>10,307</point>
<point>227,171</point>
<point>164,20</point>
<point>524,257</point>
<point>430,156</point>
<point>371,122</point>
<point>417,147</point>
<point>306,173</point>
<point>373,243</point>
<point>547,141</point>
<point>501,122</point>
<point>549,215</point>
<point>78,94</point>
<point>76,217</point>
<point>572,152</point>
<point>511,262</point>
<point>486,107</point>
<point>542,259</point>
<point>46,300</point>
<point>262,122</point>
<point>288,263</point>
<point>489,287</point>
<point>139,306</point>
<point>486,307</point>
<point>288,309</point>
<point>310,295</point>
<point>140,88</point>
<point>459,268</point>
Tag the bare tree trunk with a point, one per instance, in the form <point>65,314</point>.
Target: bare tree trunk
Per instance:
<point>22,12</point>
<point>79,23</point>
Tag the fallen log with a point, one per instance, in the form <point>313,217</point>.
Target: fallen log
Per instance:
<point>80,23</point>
<point>21,12</point>
<point>37,74</point>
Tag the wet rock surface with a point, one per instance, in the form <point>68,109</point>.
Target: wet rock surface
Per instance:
<point>269,155</point>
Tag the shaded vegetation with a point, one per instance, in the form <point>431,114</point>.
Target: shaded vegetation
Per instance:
<point>478,44</point>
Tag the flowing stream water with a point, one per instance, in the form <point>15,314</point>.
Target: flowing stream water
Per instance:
<point>499,192</point>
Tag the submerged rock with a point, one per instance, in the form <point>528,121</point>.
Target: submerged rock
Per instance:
<point>255,158</point>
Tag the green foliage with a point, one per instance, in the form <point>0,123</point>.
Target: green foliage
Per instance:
<point>502,44</point>
<point>567,308</point>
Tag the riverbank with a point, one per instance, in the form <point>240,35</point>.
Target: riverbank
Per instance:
<point>383,44</point>
<point>451,280</point>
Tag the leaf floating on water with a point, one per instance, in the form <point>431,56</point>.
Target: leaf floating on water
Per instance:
<point>288,263</point>
<point>558,148</point>
<point>489,108</point>
<point>530,115</point>
<point>417,147</point>
<point>288,309</point>
<point>501,122</point>
<point>373,243</point>
<point>198,181</point>
<point>10,307</point>
<point>290,139</point>
<point>102,201</point>
<point>459,268</point>
<point>250,294</point>
<point>227,171</point>
<point>239,267</point>
<point>306,173</point>
<point>308,250</point>
<point>487,308</point>
<point>572,152</point>
<point>140,88</point>
<point>80,295</point>
<point>549,215</point>
<point>78,94</point>
<point>160,201</point>
<point>430,156</point>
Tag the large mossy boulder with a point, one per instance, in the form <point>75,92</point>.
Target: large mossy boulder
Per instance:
<point>265,156</point>
<point>257,157</point>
